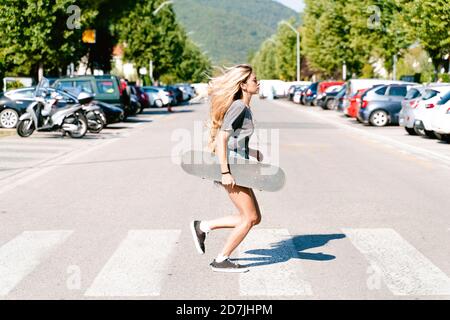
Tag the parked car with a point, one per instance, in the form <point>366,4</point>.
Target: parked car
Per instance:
<point>353,85</point>
<point>440,119</point>
<point>406,115</point>
<point>107,88</point>
<point>15,102</point>
<point>177,95</point>
<point>326,99</point>
<point>425,106</point>
<point>352,106</point>
<point>113,114</point>
<point>298,93</point>
<point>141,96</point>
<point>381,105</point>
<point>291,92</point>
<point>323,87</point>
<point>158,97</point>
<point>338,101</point>
<point>187,90</point>
<point>310,94</point>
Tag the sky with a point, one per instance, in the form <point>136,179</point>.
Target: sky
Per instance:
<point>296,5</point>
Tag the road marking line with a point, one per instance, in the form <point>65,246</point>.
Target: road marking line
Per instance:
<point>282,275</point>
<point>404,269</point>
<point>137,267</point>
<point>20,256</point>
<point>58,160</point>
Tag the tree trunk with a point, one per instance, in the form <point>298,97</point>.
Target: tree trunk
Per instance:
<point>40,71</point>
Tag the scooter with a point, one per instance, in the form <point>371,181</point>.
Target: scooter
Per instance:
<point>42,115</point>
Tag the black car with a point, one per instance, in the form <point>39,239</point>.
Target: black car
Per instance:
<point>326,100</point>
<point>14,103</point>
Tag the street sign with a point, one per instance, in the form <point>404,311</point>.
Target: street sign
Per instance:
<point>88,36</point>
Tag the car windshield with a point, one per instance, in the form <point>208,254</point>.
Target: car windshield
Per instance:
<point>412,94</point>
<point>445,98</point>
<point>428,94</point>
<point>105,87</point>
<point>21,94</point>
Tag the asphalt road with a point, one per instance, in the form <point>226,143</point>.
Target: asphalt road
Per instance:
<point>364,214</point>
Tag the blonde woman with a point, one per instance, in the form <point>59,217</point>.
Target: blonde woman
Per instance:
<point>231,128</point>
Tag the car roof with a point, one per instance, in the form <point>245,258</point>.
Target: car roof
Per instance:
<point>103,77</point>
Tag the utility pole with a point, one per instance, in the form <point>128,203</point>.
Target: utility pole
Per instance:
<point>298,47</point>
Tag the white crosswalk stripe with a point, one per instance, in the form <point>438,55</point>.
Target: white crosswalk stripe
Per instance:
<point>404,269</point>
<point>275,265</point>
<point>137,268</point>
<point>139,265</point>
<point>20,256</point>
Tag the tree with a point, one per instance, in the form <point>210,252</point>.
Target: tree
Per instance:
<point>428,21</point>
<point>36,35</point>
<point>286,52</point>
<point>159,38</point>
<point>194,65</point>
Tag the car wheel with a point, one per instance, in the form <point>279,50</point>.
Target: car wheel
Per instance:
<point>430,134</point>
<point>419,131</point>
<point>329,105</point>
<point>159,103</point>
<point>379,118</point>
<point>9,118</point>
<point>411,131</point>
<point>444,137</point>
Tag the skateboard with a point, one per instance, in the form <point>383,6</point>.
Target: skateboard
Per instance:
<point>246,173</point>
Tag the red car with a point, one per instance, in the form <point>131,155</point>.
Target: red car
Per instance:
<point>354,103</point>
<point>326,84</point>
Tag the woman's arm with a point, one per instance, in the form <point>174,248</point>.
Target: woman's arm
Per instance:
<point>221,150</point>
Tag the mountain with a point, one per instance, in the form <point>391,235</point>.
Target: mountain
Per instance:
<point>227,31</point>
<point>296,5</point>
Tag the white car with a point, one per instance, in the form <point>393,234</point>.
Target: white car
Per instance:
<point>407,114</point>
<point>297,97</point>
<point>430,97</point>
<point>440,118</point>
<point>157,96</point>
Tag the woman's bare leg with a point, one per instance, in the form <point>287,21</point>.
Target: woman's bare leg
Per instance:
<point>225,222</point>
<point>245,201</point>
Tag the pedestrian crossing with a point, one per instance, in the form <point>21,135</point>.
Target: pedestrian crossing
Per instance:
<point>138,266</point>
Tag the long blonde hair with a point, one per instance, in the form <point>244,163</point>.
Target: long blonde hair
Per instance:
<point>223,90</point>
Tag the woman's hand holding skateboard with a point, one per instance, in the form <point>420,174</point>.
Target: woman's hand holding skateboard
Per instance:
<point>227,179</point>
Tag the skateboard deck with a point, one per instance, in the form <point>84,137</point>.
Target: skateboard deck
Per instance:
<point>246,173</point>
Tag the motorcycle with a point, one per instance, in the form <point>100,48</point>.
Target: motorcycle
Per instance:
<point>94,114</point>
<point>41,115</point>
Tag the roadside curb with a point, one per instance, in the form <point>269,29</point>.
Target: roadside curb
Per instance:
<point>7,132</point>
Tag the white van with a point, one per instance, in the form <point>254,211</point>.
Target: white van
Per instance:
<point>272,89</point>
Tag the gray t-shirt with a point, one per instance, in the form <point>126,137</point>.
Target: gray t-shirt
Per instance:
<point>239,121</point>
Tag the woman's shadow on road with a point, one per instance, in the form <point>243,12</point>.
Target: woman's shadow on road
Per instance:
<point>291,248</point>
